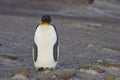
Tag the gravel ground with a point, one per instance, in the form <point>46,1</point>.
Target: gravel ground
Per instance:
<point>83,39</point>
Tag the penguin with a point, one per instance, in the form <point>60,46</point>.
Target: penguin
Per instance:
<point>46,49</point>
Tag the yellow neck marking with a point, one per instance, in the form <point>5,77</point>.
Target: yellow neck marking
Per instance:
<point>45,24</point>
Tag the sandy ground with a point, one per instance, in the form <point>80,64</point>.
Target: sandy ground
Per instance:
<point>86,34</point>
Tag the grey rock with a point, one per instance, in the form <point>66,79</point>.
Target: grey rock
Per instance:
<point>87,1</point>
<point>11,57</point>
<point>20,74</point>
<point>65,74</point>
<point>111,77</point>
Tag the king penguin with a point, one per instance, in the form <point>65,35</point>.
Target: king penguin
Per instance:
<point>46,49</point>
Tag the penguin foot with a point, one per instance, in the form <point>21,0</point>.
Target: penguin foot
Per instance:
<point>45,69</point>
<point>49,69</point>
<point>41,69</point>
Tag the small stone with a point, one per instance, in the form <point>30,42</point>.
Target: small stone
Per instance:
<point>99,70</point>
<point>107,64</point>
<point>52,79</point>
<point>20,74</point>
<point>85,67</point>
<point>87,1</point>
<point>90,46</point>
<point>11,57</point>
<point>66,74</point>
<point>110,49</point>
<point>91,69</point>
<point>111,78</point>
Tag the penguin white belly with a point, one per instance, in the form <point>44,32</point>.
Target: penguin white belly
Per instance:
<point>45,38</point>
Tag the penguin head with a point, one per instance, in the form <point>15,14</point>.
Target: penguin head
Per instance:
<point>46,19</point>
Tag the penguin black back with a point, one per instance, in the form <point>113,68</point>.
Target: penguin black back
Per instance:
<point>46,18</point>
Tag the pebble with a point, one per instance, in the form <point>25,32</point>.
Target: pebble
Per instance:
<point>107,64</point>
<point>65,74</point>
<point>91,69</point>
<point>11,57</point>
<point>111,78</point>
<point>87,1</point>
<point>21,74</point>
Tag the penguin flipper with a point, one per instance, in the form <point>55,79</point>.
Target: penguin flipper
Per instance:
<point>55,51</point>
<point>55,48</point>
<point>35,52</point>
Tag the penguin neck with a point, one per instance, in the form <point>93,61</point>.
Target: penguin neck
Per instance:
<point>45,24</point>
